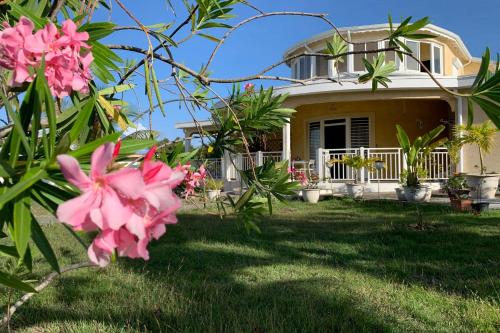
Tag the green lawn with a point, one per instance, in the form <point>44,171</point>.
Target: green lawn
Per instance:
<point>339,266</point>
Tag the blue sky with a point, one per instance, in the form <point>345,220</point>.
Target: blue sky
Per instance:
<point>263,42</point>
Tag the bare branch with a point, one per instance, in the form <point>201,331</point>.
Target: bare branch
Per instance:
<point>46,282</point>
<point>140,63</point>
<point>55,8</point>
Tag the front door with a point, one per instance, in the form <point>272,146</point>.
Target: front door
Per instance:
<point>335,138</point>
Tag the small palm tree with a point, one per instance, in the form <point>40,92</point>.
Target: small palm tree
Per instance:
<point>482,136</point>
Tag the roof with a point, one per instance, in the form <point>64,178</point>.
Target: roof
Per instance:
<point>191,124</point>
<point>381,27</point>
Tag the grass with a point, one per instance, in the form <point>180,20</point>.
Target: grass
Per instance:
<point>339,266</point>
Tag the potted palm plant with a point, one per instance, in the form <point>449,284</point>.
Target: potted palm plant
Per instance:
<point>356,162</point>
<point>414,156</point>
<point>484,185</point>
<point>213,188</point>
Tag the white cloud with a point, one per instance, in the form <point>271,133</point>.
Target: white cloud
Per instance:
<point>131,130</point>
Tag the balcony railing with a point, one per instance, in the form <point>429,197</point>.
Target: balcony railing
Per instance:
<point>437,164</point>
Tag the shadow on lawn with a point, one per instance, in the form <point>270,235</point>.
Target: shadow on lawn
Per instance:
<point>371,238</point>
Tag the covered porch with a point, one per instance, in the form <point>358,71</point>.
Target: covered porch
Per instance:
<point>327,127</point>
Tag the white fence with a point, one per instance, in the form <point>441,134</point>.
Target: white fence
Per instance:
<point>437,164</point>
<point>220,168</point>
<point>212,165</point>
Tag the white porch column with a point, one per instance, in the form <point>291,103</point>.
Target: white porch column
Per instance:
<point>259,158</point>
<point>459,120</point>
<point>320,164</point>
<point>227,167</point>
<point>362,170</point>
<point>187,142</point>
<point>287,151</point>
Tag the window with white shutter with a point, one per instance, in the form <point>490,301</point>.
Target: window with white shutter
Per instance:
<point>360,132</point>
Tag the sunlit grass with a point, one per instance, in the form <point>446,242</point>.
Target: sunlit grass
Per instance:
<point>339,266</point>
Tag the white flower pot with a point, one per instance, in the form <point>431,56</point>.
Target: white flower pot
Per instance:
<point>483,186</point>
<point>417,194</point>
<point>355,191</point>
<point>310,195</point>
<point>400,194</point>
<point>213,195</point>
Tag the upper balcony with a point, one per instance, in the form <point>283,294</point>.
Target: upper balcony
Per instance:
<point>445,55</point>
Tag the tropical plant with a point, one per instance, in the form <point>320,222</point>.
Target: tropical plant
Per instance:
<point>415,153</point>
<point>214,184</point>
<point>482,136</point>
<point>356,162</point>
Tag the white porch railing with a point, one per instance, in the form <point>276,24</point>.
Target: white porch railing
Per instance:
<point>436,164</point>
<point>212,165</point>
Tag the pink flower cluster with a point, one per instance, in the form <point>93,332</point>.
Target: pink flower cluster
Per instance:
<point>192,179</point>
<point>67,55</point>
<point>128,207</point>
<point>299,176</point>
<point>249,87</point>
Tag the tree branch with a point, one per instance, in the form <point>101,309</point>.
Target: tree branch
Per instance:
<point>46,282</point>
<point>56,7</point>
<point>140,63</point>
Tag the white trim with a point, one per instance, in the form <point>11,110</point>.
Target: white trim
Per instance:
<point>417,81</point>
<point>441,56</point>
<point>191,124</point>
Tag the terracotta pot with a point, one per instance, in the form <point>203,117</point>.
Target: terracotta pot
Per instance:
<point>483,186</point>
<point>310,195</point>
<point>461,205</point>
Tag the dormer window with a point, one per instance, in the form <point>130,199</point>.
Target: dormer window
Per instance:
<point>302,68</point>
<point>358,58</point>
<point>430,54</point>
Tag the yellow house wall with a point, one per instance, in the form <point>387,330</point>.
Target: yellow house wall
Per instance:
<point>384,115</point>
<point>471,155</point>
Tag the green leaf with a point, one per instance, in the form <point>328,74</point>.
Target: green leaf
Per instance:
<point>244,198</point>
<point>116,89</point>
<point>43,244</point>
<point>209,37</point>
<point>157,91</point>
<point>30,178</point>
<point>82,119</point>
<point>147,79</point>
<point>13,282</point>
<point>22,224</point>
<point>470,112</point>
<point>98,30</point>
<point>483,69</point>
<point>131,146</point>
<point>491,109</point>
<point>89,148</point>
<point>9,250</point>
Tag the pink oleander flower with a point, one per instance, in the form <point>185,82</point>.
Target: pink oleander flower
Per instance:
<point>67,55</point>
<point>249,87</point>
<point>301,178</point>
<point>128,207</point>
<point>193,180</point>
